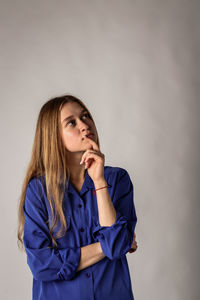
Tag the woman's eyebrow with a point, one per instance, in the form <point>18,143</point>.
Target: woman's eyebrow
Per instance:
<point>72,116</point>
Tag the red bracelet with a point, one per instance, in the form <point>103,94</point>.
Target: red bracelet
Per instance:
<point>98,189</point>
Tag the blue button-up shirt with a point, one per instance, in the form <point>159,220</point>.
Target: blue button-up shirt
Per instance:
<point>54,269</point>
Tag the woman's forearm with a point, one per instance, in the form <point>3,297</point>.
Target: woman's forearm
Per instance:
<point>106,210</point>
<point>93,253</point>
<point>90,255</point>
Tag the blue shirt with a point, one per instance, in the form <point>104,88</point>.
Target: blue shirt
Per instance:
<point>54,269</point>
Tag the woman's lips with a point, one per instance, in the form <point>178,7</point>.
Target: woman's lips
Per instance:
<point>90,136</point>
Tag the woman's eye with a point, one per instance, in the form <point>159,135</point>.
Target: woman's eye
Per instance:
<point>87,115</point>
<point>70,122</point>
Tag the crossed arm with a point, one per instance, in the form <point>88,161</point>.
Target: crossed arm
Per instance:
<point>93,253</point>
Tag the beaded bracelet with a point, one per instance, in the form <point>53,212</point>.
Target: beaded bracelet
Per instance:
<point>98,189</point>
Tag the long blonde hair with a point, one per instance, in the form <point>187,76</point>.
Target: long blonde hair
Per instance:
<point>48,159</point>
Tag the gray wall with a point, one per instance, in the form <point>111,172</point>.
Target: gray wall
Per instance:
<point>136,65</point>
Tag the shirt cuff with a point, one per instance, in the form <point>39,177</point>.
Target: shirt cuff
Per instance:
<point>71,258</point>
<point>115,240</point>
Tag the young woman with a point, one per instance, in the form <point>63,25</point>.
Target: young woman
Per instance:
<point>76,217</point>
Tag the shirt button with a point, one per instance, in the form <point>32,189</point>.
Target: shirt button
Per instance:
<point>81,229</point>
<point>80,205</point>
<point>87,274</point>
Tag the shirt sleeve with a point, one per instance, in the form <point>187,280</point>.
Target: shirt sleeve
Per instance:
<point>46,263</point>
<point>116,240</point>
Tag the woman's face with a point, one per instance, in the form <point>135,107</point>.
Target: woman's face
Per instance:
<point>76,127</point>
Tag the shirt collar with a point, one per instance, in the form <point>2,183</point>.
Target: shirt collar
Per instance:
<point>87,184</point>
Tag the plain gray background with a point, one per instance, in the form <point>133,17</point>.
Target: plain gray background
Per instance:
<point>135,64</point>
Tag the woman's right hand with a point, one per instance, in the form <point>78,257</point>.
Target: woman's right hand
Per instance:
<point>134,245</point>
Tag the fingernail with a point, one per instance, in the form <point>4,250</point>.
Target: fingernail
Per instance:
<point>80,162</point>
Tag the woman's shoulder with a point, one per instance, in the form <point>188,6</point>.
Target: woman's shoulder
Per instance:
<point>111,169</point>
<point>115,173</point>
<point>36,181</point>
<point>36,186</point>
<point>36,193</point>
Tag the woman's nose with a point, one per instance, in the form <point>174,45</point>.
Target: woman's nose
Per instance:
<point>83,125</point>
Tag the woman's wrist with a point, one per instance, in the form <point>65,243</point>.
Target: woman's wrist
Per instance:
<point>100,183</point>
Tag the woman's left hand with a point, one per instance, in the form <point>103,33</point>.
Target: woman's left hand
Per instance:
<point>94,161</point>
<point>134,245</point>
